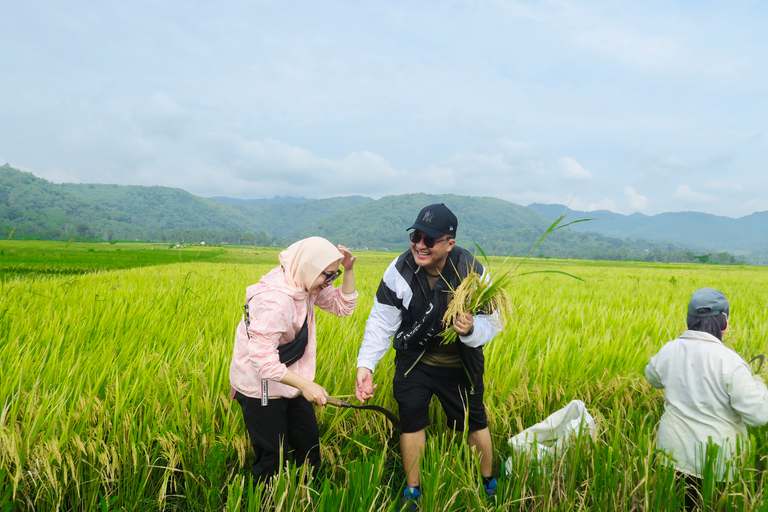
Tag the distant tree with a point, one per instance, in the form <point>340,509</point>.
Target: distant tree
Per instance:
<point>83,231</point>
<point>262,239</point>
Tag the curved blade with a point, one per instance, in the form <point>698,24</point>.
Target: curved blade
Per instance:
<point>392,417</point>
<point>759,357</point>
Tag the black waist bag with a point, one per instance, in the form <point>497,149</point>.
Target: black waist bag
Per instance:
<point>292,351</point>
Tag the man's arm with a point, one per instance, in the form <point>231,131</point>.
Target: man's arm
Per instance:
<point>382,324</point>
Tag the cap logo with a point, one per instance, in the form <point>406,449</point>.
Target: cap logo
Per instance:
<point>428,217</point>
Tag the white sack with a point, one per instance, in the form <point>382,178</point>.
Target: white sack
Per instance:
<point>555,432</point>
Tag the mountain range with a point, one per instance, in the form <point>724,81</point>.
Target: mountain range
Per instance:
<point>690,229</point>
<point>32,207</point>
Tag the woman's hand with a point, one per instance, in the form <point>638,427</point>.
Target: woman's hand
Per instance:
<point>315,393</point>
<point>348,261</point>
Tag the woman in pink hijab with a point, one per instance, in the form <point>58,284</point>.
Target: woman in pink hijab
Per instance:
<point>273,364</point>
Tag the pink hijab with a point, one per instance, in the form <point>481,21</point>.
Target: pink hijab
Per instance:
<point>304,260</point>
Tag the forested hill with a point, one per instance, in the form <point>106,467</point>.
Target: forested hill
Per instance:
<point>32,207</point>
<point>166,209</point>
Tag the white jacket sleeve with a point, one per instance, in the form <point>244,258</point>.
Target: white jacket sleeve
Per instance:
<point>749,396</point>
<point>652,374</point>
<point>486,327</point>
<point>382,324</point>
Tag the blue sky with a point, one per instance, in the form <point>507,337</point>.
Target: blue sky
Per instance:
<point>629,106</point>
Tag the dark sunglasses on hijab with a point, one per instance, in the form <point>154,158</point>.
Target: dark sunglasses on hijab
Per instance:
<point>331,276</point>
<point>418,236</point>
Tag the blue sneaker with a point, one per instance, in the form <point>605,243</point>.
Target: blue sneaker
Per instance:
<point>411,497</point>
<point>490,490</point>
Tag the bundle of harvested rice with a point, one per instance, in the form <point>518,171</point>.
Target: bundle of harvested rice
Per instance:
<point>491,293</point>
<point>486,294</point>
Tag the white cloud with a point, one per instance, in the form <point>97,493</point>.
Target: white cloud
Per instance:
<point>603,204</point>
<point>273,160</point>
<point>516,150</point>
<point>637,201</point>
<point>724,186</point>
<point>573,170</point>
<point>685,193</point>
<point>627,45</point>
<point>163,116</point>
<point>755,205</point>
<point>481,163</point>
<point>438,178</point>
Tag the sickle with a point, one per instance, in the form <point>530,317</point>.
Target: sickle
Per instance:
<point>759,357</point>
<point>389,414</point>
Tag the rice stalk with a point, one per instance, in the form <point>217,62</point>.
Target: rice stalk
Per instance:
<point>491,292</point>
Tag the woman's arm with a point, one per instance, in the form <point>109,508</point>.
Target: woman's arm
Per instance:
<point>348,262</point>
<point>312,391</point>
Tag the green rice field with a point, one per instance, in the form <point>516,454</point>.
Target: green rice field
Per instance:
<point>114,390</point>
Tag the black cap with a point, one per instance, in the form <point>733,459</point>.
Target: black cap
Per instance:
<point>707,302</point>
<point>435,221</point>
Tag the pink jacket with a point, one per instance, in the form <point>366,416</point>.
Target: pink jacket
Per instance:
<point>277,313</point>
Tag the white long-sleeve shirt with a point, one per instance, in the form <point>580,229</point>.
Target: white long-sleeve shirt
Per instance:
<point>710,394</point>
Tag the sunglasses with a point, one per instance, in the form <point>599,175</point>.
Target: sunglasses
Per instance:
<point>430,242</point>
<point>331,276</point>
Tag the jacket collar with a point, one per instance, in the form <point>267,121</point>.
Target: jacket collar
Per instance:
<point>700,336</point>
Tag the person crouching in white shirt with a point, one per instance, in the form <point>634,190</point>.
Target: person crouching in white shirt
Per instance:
<point>711,394</point>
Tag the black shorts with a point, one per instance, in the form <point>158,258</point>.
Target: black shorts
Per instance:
<point>451,385</point>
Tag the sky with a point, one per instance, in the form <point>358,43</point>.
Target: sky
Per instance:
<point>650,107</point>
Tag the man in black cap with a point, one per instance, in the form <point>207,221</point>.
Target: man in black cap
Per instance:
<point>711,395</point>
<point>408,309</point>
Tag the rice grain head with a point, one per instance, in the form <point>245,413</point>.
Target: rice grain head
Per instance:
<point>488,294</point>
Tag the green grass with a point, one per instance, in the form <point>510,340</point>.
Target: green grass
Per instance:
<point>59,258</point>
<point>114,387</point>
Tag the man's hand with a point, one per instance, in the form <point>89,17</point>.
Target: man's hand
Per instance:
<point>364,386</point>
<point>463,324</point>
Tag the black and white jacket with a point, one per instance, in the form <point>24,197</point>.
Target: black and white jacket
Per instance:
<point>402,313</point>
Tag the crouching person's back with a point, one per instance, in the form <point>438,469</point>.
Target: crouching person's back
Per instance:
<point>711,395</point>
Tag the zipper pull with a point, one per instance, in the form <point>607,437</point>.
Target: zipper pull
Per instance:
<point>264,392</point>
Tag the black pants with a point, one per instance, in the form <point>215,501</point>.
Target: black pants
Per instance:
<point>282,420</point>
<point>692,490</point>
